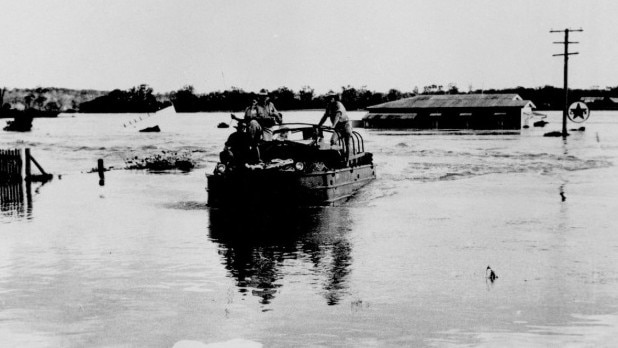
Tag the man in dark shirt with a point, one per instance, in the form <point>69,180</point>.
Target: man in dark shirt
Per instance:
<point>237,150</point>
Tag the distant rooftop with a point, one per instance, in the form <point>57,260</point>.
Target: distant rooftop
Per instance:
<point>598,99</point>
<point>455,101</point>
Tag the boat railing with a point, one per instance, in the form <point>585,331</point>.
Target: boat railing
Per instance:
<point>356,140</point>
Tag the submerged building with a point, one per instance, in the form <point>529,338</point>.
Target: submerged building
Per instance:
<point>453,111</point>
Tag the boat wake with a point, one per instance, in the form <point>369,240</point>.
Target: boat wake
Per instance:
<point>436,165</point>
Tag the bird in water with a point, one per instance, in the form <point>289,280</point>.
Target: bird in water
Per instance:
<point>490,274</point>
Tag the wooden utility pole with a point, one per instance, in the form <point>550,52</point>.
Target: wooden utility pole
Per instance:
<point>566,55</point>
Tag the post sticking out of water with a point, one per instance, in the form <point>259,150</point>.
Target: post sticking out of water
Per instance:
<point>27,163</point>
<point>101,170</point>
<point>566,55</point>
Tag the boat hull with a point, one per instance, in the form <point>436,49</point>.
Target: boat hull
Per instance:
<point>327,188</point>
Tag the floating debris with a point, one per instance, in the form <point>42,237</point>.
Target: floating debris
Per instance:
<point>154,129</point>
<point>490,274</point>
<point>162,161</point>
<point>554,134</point>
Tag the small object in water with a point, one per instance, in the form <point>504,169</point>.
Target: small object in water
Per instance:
<point>223,125</point>
<point>490,274</point>
<point>554,134</point>
<point>154,129</point>
<point>540,123</point>
<point>526,126</point>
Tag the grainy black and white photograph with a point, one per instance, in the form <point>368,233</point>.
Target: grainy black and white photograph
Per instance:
<point>221,174</point>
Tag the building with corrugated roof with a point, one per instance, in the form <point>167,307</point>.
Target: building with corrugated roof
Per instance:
<point>453,111</point>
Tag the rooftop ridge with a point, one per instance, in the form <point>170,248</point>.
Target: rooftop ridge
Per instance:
<point>455,101</point>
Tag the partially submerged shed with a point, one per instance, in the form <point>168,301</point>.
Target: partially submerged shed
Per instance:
<point>454,111</point>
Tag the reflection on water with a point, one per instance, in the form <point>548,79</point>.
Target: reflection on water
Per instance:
<point>256,244</point>
<point>16,199</point>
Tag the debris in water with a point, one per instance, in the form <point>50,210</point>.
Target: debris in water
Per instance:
<point>163,161</point>
<point>554,134</point>
<point>154,129</point>
<point>490,274</point>
<point>562,193</point>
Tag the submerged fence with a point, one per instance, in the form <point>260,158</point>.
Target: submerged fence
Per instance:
<point>15,179</point>
<point>15,166</point>
<point>11,164</point>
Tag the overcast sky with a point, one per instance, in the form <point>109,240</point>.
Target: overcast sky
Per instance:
<point>251,44</point>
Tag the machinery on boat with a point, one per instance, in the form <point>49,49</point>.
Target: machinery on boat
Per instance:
<point>298,167</point>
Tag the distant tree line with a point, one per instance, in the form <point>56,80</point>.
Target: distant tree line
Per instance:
<point>137,99</point>
<point>142,99</point>
<point>236,99</point>
<point>46,98</point>
<point>552,98</point>
<point>544,98</point>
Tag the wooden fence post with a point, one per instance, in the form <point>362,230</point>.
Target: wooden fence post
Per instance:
<point>27,160</point>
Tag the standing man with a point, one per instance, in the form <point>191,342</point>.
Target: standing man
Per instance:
<point>271,110</point>
<point>253,115</point>
<point>270,116</point>
<point>339,119</point>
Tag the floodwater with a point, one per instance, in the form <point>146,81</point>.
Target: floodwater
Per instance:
<point>142,261</point>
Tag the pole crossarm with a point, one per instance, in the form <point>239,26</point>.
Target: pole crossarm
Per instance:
<point>565,30</point>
